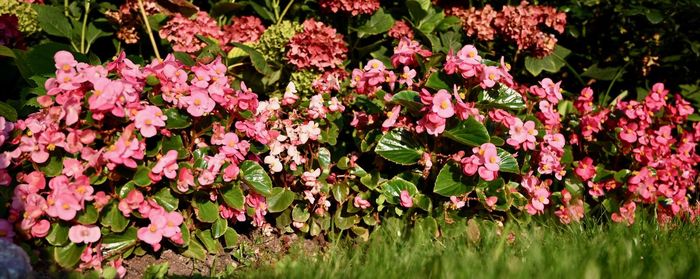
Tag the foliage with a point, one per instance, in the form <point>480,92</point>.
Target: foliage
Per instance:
<point>318,126</point>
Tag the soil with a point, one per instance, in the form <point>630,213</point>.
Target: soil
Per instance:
<point>254,250</point>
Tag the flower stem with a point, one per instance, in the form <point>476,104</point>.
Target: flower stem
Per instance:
<point>65,8</point>
<point>279,19</point>
<point>148,29</point>
<point>82,31</point>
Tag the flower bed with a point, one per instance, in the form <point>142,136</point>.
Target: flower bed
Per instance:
<point>288,130</point>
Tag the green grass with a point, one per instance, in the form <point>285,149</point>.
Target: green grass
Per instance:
<point>551,251</point>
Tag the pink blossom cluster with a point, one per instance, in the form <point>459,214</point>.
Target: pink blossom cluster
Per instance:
<point>244,29</point>
<point>485,161</point>
<point>318,46</point>
<point>375,75</point>
<point>523,24</point>
<point>400,30</point>
<point>650,133</point>
<point>354,7</point>
<point>468,64</point>
<point>181,31</point>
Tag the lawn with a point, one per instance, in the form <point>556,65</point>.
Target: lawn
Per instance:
<point>587,250</point>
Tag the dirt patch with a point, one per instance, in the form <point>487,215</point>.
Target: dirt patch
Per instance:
<point>253,250</point>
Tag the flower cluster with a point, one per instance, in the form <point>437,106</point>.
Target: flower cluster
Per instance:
<point>181,31</point>
<point>354,7</point>
<point>400,29</point>
<point>25,14</point>
<point>128,19</point>
<point>523,24</point>
<point>244,29</point>
<point>274,41</point>
<point>318,47</point>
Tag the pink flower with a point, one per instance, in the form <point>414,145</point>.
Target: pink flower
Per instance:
<point>64,206</point>
<point>407,76</point>
<point>319,47</point>
<point>153,233</point>
<point>167,165</point>
<point>198,104</point>
<point>259,205</point>
<point>457,203</point>
<point>490,76</point>
<point>185,180</point>
<point>432,123</point>
<point>64,61</point>
<point>522,134</point>
<point>149,119</point>
<point>173,220</point>
<point>392,116</point>
<point>626,214</point>
<point>361,203</point>
<point>84,234</point>
<point>442,104</point>
<point>585,169</point>
<point>405,199</point>
<point>40,229</point>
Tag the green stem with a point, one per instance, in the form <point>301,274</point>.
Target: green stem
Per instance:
<point>571,69</point>
<point>65,8</point>
<point>82,32</point>
<point>617,76</point>
<point>279,19</point>
<point>148,29</point>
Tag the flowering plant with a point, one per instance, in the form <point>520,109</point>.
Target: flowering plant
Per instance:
<point>290,127</point>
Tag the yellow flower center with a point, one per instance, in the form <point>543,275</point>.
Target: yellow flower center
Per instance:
<point>492,76</point>
<point>471,54</point>
<point>197,102</point>
<point>98,92</point>
<point>152,228</point>
<point>66,67</point>
<point>445,104</point>
<point>389,114</point>
<point>51,147</point>
<point>148,122</point>
<point>66,206</point>
<point>231,144</point>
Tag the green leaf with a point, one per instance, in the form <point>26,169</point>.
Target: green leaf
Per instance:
<point>256,177</point>
<point>595,72</point>
<point>184,58</point>
<point>92,33</point>
<point>551,63</point>
<point>408,99</point>
<point>219,228</point>
<point>210,243</point>
<point>53,22</point>
<point>141,177</point>
<point>156,271</point>
<point>392,189</point>
<point>324,157</point>
<point>176,119</point>
<point>341,191</point>
<point>451,181</point>
<point>508,162</point>
<point>68,256</point>
<point>165,198</point>
<point>300,214</point>
<point>344,223</point>
<point>206,210</point>
<point>470,132</point>
<point>8,112</point>
<point>437,81</point>
<point>53,167</point>
<point>233,196</point>
<point>113,243</point>
<point>89,215</point>
<point>114,218</point>
<point>174,143</point>
<point>58,235</point>
<point>7,52</point>
<point>230,238</point>
<point>503,97</point>
<point>380,22</point>
<point>256,58</point>
<point>195,250</point>
<point>280,199</point>
<point>400,147</point>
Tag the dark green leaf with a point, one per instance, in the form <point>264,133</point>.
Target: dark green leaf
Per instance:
<point>551,63</point>
<point>113,243</point>
<point>503,97</point>
<point>165,198</point>
<point>8,112</point>
<point>470,132</point>
<point>233,196</point>
<point>408,99</point>
<point>219,228</point>
<point>400,147</point>
<point>508,162</point>
<point>53,21</point>
<point>177,119</point>
<point>380,22</point>
<point>256,177</point>
<point>58,235</point>
<point>141,177</point>
<point>280,199</point>
<point>68,256</point>
<point>451,181</point>
<point>256,58</point>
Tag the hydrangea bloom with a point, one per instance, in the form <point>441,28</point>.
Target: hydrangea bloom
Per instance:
<point>317,46</point>
<point>354,7</point>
